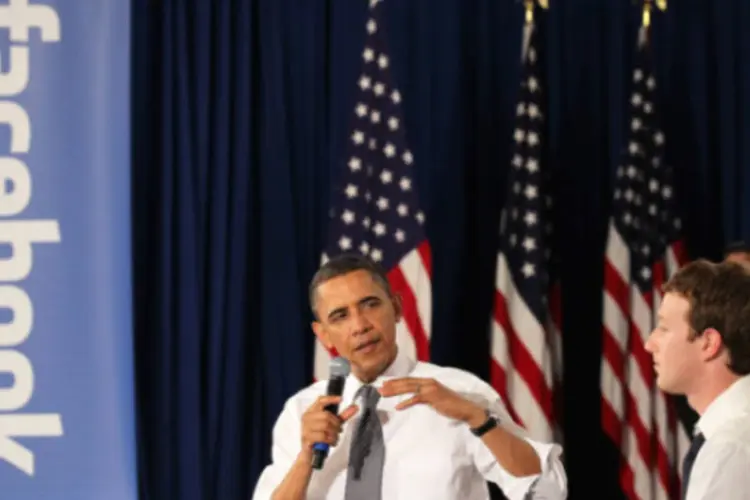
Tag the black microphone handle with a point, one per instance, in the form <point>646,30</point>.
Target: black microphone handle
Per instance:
<point>320,450</point>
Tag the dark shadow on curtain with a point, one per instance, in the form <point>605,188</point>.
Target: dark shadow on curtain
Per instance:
<point>240,113</point>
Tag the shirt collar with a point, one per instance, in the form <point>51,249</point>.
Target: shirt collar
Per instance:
<point>400,367</point>
<point>730,404</point>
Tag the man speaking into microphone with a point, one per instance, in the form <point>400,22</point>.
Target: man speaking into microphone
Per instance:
<point>401,429</point>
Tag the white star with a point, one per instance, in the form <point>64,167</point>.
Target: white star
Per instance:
<point>348,217</point>
<point>379,229</point>
<point>533,111</point>
<point>361,109</point>
<point>345,243</point>
<point>351,191</point>
<point>651,83</point>
<point>402,209</point>
<point>528,269</point>
<point>376,255</point>
<point>419,217</point>
<point>366,222</point>
<point>517,160</point>
<point>635,124</point>
<point>647,108</point>
<point>364,247</point>
<point>513,239</point>
<point>373,143</point>
<point>520,109</point>
<point>355,164</point>
<point>530,218</point>
<point>379,88</point>
<point>372,26</point>
<point>382,203</point>
<point>659,138</point>
<point>637,75</point>
<point>636,100</point>
<point>532,165</point>
<point>375,116</point>
<point>519,135</point>
<point>386,176</point>
<point>646,250</point>
<point>358,137</point>
<point>368,196</point>
<point>405,184</point>
<point>396,97</point>
<point>393,123</point>
<point>633,148</point>
<point>383,61</point>
<point>632,171</point>
<point>653,185</point>
<point>368,55</point>
<point>517,187</point>
<point>533,139</point>
<point>407,157</point>
<point>529,244</point>
<point>666,192</point>
<point>400,236</point>
<point>652,209</point>
<point>364,82</point>
<point>530,192</point>
<point>533,84</point>
<point>646,273</point>
<point>389,150</point>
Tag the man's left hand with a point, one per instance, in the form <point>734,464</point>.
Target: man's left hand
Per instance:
<point>431,392</point>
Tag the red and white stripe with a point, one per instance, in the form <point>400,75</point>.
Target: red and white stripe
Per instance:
<point>524,356</point>
<point>411,279</point>
<point>636,415</point>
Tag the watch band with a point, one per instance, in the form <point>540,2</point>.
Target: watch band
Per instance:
<point>487,426</point>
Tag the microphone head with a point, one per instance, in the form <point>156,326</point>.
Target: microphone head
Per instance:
<point>339,367</point>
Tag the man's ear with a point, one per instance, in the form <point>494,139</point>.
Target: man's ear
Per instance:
<point>712,343</point>
<point>321,333</point>
<point>398,307</point>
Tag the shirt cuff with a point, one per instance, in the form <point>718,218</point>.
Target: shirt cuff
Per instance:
<point>550,484</point>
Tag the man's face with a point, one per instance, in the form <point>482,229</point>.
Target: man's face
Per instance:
<point>358,318</point>
<point>677,359</point>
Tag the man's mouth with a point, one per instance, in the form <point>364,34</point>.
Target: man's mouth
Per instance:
<point>367,346</point>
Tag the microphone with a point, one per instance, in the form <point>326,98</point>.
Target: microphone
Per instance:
<point>339,369</point>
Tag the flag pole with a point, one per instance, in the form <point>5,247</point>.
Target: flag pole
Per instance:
<point>529,7</point>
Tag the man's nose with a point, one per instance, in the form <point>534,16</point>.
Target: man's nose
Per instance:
<point>360,323</point>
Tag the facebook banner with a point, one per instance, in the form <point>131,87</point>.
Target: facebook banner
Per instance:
<point>66,361</point>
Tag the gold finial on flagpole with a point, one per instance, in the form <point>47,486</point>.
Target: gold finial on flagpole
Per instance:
<point>529,7</point>
<point>648,7</point>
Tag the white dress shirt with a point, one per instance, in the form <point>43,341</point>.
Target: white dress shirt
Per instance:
<point>722,468</point>
<point>427,456</point>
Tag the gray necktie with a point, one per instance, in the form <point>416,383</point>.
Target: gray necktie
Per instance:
<point>364,478</point>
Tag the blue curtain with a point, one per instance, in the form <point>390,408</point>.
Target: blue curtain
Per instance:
<point>240,114</point>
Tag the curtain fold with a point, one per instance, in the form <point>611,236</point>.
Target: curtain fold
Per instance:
<point>240,113</point>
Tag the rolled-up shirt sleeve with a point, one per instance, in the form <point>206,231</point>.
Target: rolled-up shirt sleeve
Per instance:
<point>550,484</point>
<point>286,446</point>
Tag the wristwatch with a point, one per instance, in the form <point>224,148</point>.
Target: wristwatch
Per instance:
<point>489,424</point>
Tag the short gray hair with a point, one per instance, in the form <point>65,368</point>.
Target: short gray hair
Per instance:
<point>344,264</point>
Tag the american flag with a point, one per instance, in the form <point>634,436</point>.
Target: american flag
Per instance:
<point>375,206</point>
<point>526,354</point>
<point>644,248</point>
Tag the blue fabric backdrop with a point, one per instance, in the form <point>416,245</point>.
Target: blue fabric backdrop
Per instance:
<point>240,114</point>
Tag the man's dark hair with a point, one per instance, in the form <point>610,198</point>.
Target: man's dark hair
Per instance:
<point>737,247</point>
<point>342,264</point>
<point>719,297</point>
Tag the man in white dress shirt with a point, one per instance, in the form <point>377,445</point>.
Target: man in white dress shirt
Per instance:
<point>701,348</point>
<point>445,431</point>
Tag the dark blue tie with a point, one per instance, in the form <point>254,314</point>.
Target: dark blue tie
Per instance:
<point>687,464</point>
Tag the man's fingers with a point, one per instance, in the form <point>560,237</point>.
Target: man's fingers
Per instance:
<point>324,401</point>
<point>402,386</point>
<point>348,413</point>
<point>416,399</point>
